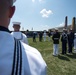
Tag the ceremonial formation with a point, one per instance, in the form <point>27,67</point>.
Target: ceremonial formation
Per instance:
<point>18,57</point>
<point>67,38</point>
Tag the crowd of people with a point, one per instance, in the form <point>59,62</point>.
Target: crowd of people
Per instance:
<point>42,36</point>
<point>67,39</point>
<point>16,56</point>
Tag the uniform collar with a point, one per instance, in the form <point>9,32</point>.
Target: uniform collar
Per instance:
<point>4,29</point>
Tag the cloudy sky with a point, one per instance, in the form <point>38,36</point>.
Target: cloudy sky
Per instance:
<point>43,14</point>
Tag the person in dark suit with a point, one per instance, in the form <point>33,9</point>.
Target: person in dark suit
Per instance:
<point>70,40</point>
<point>49,34</point>
<point>34,36</point>
<point>40,36</point>
<point>64,39</point>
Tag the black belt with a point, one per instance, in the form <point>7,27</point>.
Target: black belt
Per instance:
<point>17,59</point>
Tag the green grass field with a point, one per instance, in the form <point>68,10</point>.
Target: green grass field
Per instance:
<point>61,65</point>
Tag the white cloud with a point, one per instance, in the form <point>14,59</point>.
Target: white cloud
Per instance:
<point>33,0</point>
<point>62,24</point>
<point>46,13</point>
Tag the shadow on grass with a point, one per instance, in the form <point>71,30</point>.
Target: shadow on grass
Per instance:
<point>72,56</point>
<point>63,58</point>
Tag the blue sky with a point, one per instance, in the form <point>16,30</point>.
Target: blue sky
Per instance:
<point>43,14</point>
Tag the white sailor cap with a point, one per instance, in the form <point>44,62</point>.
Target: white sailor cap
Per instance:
<point>16,23</point>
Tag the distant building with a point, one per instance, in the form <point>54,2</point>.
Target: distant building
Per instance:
<point>72,26</point>
<point>60,29</point>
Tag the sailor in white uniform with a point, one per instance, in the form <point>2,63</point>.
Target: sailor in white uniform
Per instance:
<point>16,58</point>
<point>18,34</point>
<point>44,35</point>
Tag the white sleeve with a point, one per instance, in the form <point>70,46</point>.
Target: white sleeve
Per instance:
<point>34,63</point>
<point>25,38</point>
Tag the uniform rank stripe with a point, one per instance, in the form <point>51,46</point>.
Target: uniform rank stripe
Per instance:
<point>17,63</point>
<point>20,71</point>
<point>14,58</point>
<point>17,59</point>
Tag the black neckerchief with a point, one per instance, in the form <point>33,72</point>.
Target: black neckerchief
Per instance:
<point>4,29</point>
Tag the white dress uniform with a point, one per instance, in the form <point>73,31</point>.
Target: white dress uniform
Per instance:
<point>17,58</point>
<point>20,36</point>
<point>44,36</point>
<point>55,49</point>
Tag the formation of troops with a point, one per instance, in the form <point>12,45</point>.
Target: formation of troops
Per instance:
<point>67,39</point>
<point>19,58</point>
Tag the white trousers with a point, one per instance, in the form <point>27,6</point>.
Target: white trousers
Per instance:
<point>44,38</point>
<point>55,49</point>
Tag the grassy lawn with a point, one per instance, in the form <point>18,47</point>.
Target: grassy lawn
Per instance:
<point>61,65</point>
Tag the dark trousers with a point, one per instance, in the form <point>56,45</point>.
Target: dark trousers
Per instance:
<point>40,39</point>
<point>64,47</point>
<point>70,46</point>
<point>34,39</point>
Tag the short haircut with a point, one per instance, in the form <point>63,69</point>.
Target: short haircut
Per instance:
<point>4,5</point>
